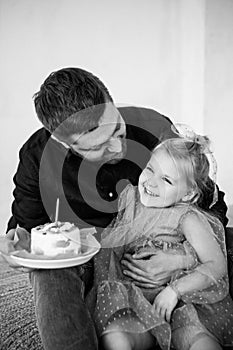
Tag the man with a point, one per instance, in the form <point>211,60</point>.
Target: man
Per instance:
<point>85,154</point>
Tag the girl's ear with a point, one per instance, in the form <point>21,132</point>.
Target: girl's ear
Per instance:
<point>189,196</point>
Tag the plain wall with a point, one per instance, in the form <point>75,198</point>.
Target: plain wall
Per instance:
<point>218,95</point>
<point>151,53</point>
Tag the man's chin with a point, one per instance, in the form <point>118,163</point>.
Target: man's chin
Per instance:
<point>113,161</point>
<point>110,158</point>
<point>114,158</point>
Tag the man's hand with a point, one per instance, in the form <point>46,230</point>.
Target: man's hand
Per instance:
<point>165,303</point>
<point>151,269</point>
<point>15,239</point>
<point>7,242</point>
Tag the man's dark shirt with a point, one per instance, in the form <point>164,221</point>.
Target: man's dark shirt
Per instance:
<point>88,191</point>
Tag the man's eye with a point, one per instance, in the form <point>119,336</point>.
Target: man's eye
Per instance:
<point>119,126</point>
<point>121,136</point>
<point>96,148</point>
<point>90,149</point>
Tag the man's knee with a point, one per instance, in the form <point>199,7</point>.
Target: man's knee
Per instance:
<point>56,282</point>
<point>62,316</point>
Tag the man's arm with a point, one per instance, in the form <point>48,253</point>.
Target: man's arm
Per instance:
<point>219,209</point>
<point>27,208</point>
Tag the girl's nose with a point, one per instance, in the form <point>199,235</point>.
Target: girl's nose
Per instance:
<point>114,145</point>
<point>152,182</point>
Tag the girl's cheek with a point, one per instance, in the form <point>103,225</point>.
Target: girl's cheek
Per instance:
<point>145,175</point>
<point>142,177</point>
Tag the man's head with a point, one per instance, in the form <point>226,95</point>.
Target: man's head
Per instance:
<point>76,107</point>
<point>64,94</point>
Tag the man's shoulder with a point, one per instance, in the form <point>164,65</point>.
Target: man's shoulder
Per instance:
<point>36,141</point>
<point>146,122</point>
<point>142,114</point>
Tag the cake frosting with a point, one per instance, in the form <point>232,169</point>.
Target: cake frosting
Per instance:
<point>55,238</point>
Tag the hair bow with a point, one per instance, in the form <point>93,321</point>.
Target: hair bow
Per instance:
<point>187,133</point>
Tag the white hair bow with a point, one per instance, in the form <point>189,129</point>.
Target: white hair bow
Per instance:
<point>186,132</point>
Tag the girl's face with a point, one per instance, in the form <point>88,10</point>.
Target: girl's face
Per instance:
<point>162,183</point>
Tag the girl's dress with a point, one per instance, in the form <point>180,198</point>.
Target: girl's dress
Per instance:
<point>120,305</point>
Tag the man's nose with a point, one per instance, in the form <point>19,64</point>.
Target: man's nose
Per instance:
<point>114,145</point>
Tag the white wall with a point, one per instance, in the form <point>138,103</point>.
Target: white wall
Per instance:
<point>149,53</point>
<point>219,90</point>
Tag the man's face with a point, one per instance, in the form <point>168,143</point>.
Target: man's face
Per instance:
<point>106,143</point>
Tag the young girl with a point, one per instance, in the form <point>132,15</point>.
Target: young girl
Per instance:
<point>193,309</point>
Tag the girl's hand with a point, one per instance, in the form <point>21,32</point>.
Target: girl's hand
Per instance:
<point>165,302</point>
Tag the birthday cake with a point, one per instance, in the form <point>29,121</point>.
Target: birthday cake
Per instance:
<point>55,239</point>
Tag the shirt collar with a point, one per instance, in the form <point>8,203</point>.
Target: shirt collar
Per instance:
<point>62,143</point>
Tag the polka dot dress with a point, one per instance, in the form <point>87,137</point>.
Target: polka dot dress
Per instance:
<point>121,305</point>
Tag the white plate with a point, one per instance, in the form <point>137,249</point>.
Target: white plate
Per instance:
<point>37,262</point>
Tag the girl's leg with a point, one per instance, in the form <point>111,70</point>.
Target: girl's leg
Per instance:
<point>206,343</point>
<point>194,337</point>
<point>117,340</point>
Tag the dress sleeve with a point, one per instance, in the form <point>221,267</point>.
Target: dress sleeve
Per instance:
<point>114,239</point>
<point>118,233</point>
<point>27,207</point>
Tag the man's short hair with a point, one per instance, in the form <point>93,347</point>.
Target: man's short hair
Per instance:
<point>64,94</point>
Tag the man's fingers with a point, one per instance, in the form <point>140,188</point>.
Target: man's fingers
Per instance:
<point>132,263</point>
<point>17,267</point>
<point>9,261</point>
<point>24,239</point>
<point>145,285</point>
<point>133,267</point>
<point>6,245</point>
<point>10,234</point>
<point>22,233</point>
<point>145,281</point>
<point>136,268</point>
<point>143,255</point>
<point>136,276</point>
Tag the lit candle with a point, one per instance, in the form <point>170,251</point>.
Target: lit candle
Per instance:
<point>57,210</point>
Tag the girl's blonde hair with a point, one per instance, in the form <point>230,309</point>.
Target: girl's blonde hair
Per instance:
<point>190,156</point>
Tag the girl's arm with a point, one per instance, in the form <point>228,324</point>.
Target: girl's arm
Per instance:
<point>213,266</point>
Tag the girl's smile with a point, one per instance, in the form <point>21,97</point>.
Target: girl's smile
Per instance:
<point>147,191</point>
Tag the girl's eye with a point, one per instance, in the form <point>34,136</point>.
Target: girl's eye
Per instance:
<point>167,180</point>
<point>150,169</point>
